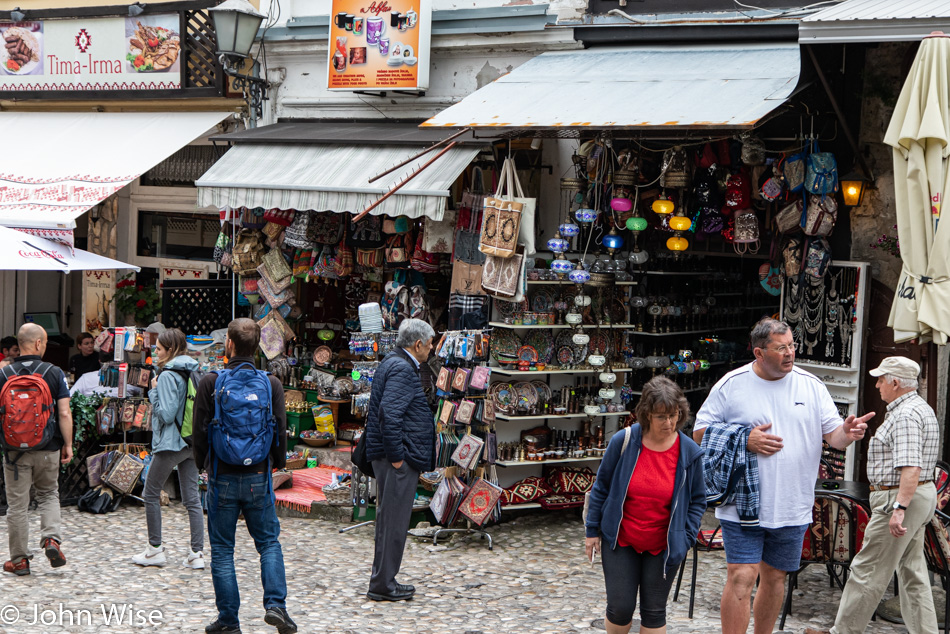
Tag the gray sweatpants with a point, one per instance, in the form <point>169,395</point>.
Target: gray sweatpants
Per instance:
<point>161,467</point>
<point>41,469</point>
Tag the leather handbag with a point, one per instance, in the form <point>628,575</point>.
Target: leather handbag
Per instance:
<point>466,279</point>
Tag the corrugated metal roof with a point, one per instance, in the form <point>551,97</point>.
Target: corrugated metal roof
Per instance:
<point>875,21</point>
<point>352,132</point>
<point>710,86</point>
<point>853,10</point>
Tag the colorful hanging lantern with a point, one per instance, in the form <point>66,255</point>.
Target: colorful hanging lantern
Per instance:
<point>569,230</point>
<point>613,241</point>
<point>663,205</point>
<point>636,223</point>
<point>680,223</point>
<point>677,244</point>
<point>586,215</point>
<point>561,265</point>
<point>557,244</point>
<point>621,204</point>
<point>579,275</point>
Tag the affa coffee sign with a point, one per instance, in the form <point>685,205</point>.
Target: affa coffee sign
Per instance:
<point>380,45</point>
<point>140,53</point>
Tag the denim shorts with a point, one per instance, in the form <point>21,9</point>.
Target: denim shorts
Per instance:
<point>780,548</point>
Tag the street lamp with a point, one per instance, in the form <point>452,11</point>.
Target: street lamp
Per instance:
<point>236,23</point>
<point>853,187</point>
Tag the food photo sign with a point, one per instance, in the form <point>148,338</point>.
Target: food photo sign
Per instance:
<point>140,53</point>
<point>379,45</point>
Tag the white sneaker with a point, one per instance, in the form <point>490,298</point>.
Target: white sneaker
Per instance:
<point>151,556</point>
<point>195,560</point>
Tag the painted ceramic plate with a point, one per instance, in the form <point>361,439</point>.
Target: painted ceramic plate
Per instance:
<point>565,355</point>
<point>599,344</point>
<point>504,345</point>
<point>527,353</point>
<point>527,392</point>
<point>543,389</point>
<point>542,341</point>
<point>543,301</point>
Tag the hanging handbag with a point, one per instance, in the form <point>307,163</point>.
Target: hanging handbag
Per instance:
<point>247,252</point>
<point>473,198</point>
<point>504,277</point>
<point>789,218</point>
<point>369,258</point>
<point>817,257</point>
<point>398,251</point>
<point>793,171</point>
<point>771,275</point>
<point>281,217</point>
<point>792,256</point>
<point>422,260</point>
<point>296,234</point>
<point>275,333</point>
<point>508,217</point>
<point>276,266</point>
<point>820,216</point>
<point>325,264</point>
<point>345,262</point>
<point>222,248</point>
<point>437,236</point>
<point>466,279</point>
<point>753,149</point>
<point>746,236</point>
<point>367,233</point>
<point>821,173</point>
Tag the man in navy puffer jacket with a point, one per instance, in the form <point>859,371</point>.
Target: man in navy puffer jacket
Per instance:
<point>400,441</point>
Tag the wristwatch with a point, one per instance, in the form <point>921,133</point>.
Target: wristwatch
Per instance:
<point>899,506</point>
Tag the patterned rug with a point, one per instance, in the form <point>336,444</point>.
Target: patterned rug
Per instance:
<point>307,487</point>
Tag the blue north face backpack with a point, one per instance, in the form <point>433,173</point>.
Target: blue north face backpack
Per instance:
<point>243,428</point>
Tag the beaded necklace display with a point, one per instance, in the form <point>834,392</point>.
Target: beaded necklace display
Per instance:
<point>832,315</point>
<point>813,310</point>
<point>793,310</point>
<point>849,314</point>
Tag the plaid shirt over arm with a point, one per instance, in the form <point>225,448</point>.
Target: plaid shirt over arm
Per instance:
<point>908,437</point>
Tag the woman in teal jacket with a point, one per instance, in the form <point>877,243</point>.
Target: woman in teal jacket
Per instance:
<point>169,450</point>
<point>646,505</point>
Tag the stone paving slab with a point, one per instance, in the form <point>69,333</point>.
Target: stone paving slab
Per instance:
<point>535,580</point>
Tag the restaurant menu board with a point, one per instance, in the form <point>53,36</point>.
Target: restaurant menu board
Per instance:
<point>379,45</point>
<point>140,53</point>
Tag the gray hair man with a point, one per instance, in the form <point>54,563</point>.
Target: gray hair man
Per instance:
<point>901,458</point>
<point>400,441</point>
<point>790,412</point>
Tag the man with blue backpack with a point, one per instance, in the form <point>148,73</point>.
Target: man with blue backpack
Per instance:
<point>239,416</point>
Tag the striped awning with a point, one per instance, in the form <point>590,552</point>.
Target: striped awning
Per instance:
<point>331,178</point>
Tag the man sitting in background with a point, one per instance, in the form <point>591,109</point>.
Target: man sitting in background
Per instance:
<point>9,350</point>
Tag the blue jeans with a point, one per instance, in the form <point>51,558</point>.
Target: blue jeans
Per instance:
<point>228,496</point>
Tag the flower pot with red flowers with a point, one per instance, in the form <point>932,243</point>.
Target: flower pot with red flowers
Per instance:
<point>140,303</point>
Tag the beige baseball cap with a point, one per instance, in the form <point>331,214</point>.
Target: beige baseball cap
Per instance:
<point>901,367</point>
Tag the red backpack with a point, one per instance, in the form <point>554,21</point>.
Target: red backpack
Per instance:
<point>26,409</point>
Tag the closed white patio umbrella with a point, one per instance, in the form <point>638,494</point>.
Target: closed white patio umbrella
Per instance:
<point>22,252</point>
<point>919,132</point>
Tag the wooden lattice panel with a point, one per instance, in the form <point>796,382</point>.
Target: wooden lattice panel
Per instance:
<point>201,64</point>
<point>197,307</point>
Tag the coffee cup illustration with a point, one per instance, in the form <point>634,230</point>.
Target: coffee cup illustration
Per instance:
<point>394,19</point>
<point>358,25</point>
<point>403,23</point>
<point>411,18</point>
<point>340,20</point>
<point>348,22</point>
<point>375,27</point>
<point>384,46</point>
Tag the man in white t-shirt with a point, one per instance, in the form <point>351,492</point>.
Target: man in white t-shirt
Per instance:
<point>790,412</point>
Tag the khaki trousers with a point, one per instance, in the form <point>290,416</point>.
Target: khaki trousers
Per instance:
<point>882,554</point>
<point>41,469</point>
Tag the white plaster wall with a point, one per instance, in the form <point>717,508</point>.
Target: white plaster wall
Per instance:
<point>564,9</point>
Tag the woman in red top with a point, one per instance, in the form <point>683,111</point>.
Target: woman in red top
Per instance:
<point>647,504</point>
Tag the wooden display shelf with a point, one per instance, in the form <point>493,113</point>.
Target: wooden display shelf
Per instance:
<point>687,391</point>
<point>522,463</point>
<point>565,282</point>
<point>499,324</point>
<point>562,416</point>
<point>507,372</point>
<point>701,331</point>
<point>518,507</point>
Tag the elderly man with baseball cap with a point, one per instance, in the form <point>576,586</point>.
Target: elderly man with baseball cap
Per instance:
<point>901,460</point>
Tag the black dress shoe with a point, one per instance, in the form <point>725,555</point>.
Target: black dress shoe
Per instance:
<point>279,618</point>
<point>395,596</point>
<point>403,588</point>
<point>217,626</point>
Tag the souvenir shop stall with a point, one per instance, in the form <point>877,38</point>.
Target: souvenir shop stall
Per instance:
<point>112,425</point>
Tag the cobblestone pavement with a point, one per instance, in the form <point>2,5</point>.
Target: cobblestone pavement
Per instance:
<point>535,580</point>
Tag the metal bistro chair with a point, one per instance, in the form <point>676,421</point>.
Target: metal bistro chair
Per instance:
<point>707,541</point>
<point>937,552</point>
<point>942,482</point>
<point>833,539</point>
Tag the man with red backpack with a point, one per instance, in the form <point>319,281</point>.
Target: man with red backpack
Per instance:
<point>239,415</point>
<point>37,435</point>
